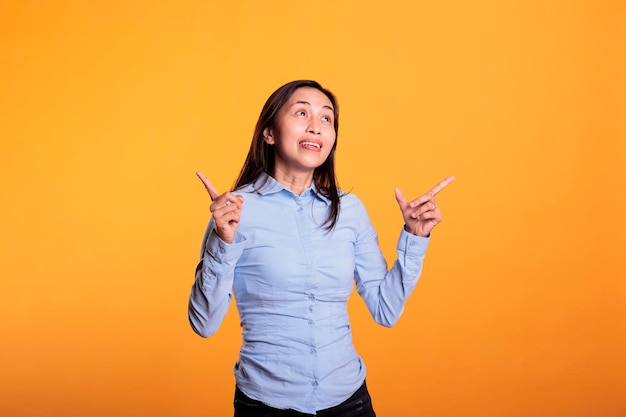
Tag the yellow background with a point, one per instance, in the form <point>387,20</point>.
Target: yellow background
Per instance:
<point>108,108</point>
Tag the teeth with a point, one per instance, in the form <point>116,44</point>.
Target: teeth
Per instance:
<point>317,145</point>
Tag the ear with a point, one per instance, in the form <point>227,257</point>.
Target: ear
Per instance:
<point>268,136</point>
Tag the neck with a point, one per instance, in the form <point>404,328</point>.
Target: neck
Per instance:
<point>297,183</point>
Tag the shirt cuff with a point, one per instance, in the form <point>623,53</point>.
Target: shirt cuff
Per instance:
<point>411,244</point>
<point>225,252</point>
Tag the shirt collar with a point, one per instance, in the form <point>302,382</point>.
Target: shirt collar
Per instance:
<point>266,184</point>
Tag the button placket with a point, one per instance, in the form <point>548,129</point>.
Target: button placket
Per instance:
<point>306,231</point>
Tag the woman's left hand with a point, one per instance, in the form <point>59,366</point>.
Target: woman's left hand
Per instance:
<point>422,214</point>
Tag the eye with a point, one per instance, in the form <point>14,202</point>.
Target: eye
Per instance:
<point>301,113</point>
<point>326,119</point>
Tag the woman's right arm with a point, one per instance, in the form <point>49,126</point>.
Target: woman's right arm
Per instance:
<point>212,290</point>
<point>222,246</point>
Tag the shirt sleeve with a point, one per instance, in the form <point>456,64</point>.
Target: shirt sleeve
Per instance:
<point>212,290</point>
<point>385,291</point>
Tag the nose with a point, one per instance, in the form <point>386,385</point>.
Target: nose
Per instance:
<point>314,127</point>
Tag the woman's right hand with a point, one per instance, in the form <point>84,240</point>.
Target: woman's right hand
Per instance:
<point>225,209</point>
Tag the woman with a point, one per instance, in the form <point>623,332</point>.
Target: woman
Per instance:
<point>289,246</point>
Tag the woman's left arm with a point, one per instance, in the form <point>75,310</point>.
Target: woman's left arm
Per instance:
<point>385,291</point>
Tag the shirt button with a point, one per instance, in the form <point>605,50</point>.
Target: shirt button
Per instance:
<point>312,350</point>
<point>310,308</point>
<point>312,297</point>
<point>299,209</point>
<point>311,322</point>
<point>314,383</point>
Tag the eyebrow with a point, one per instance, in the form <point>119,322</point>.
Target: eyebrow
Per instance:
<point>309,104</point>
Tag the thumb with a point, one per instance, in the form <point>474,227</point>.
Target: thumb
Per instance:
<point>400,198</point>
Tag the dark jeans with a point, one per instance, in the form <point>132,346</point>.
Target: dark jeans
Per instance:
<point>358,405</point>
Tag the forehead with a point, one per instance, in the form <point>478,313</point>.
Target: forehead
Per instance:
<point>310,95</point>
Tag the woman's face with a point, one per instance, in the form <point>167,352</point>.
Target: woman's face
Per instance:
<point>304,133</point>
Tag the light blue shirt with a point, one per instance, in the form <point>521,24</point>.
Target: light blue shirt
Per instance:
<point>291,280</point>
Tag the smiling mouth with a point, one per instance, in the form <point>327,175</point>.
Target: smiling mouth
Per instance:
<point>307,144</point>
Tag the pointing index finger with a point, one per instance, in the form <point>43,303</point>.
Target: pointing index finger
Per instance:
<point>441,185</point>
<point>208,185</point>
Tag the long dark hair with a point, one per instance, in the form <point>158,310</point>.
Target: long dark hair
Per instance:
<point>261,156</point>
